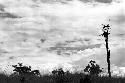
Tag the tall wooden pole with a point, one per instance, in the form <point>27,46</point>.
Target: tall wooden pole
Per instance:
<point>106,36</point>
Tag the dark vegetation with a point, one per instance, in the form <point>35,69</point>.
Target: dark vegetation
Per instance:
<point>24,74</point>
<point>49,79</point>
<point>93,69</point>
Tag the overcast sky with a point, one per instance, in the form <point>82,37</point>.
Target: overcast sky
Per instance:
<point>60,33</point>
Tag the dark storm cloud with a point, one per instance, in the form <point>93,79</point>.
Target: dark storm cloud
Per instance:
<point>121,35</point>
<point>80,48</point>
<point>101,1</point>
<point>8,15</point>
<point>85,0</point>
<point>104,1</point>
<point>52,1</point>
<point>4,14</point>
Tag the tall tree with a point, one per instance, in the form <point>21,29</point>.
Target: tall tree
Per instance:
<point>105,34</point>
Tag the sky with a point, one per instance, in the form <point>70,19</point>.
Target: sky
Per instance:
<point>48,34</point>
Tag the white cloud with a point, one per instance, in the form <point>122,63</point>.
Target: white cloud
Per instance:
<point>58,23</point>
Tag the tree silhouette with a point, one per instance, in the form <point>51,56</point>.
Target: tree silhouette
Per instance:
<point>93,69</point>
<point>58,75</point>
<point>20,69</point>
<point>24,71</point>
<point>105,34</point>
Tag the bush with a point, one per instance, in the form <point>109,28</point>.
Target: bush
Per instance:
<point>93,69</point>
<point>60,76</point>
<point>24,72</point>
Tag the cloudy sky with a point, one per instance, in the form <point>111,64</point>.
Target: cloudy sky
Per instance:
<point>60,33</point>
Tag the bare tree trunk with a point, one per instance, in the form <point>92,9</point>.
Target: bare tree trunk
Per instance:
<point>108,56</point>
<point>106,35</point>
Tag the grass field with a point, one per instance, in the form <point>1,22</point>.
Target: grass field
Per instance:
<point>71,78</point>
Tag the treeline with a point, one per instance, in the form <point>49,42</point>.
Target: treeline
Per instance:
<point>25,74</point>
